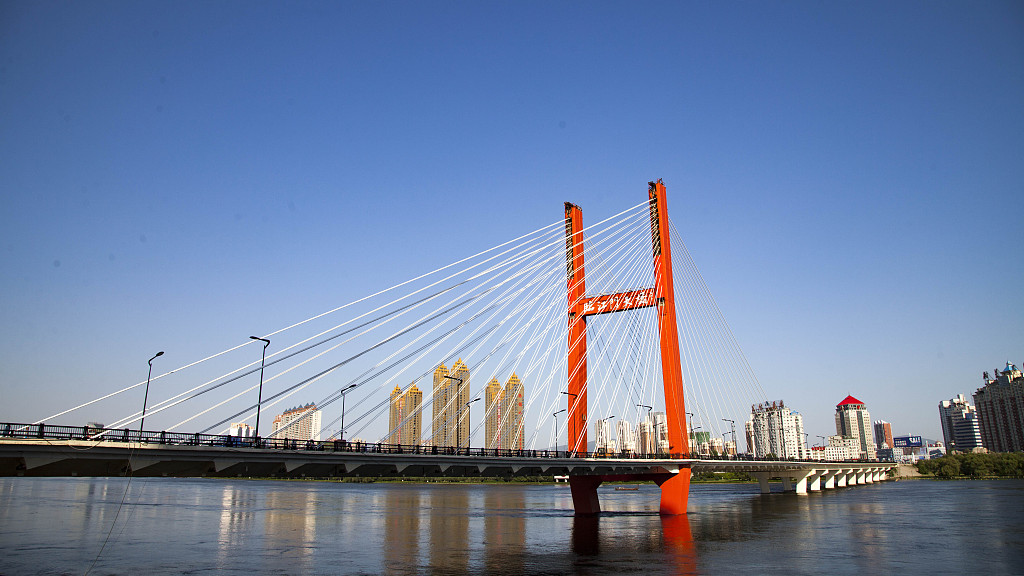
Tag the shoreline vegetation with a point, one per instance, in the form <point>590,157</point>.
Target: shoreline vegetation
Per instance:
<point>962,466</point>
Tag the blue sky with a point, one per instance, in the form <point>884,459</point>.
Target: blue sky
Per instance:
<point>848,176</point>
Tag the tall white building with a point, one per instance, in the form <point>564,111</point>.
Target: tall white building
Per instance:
<point>299,423</point>
<point>603,439</point>
<point>854,421</point>
<point>660,432</point>
<point>626,437</point>
<point>960,429</point>
<point>774,429</point>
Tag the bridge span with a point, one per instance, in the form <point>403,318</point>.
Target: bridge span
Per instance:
<point>225,458</point>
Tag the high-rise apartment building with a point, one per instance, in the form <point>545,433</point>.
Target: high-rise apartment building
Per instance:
<point>775,429</point>
<point>604,441</point>
<point>645,439</point>
<point>854,421</point>
<point>503,420</point>
<point>625,436</point>
<point>660,432</point>
<point>960,428</point>
<point>241,430</point>
<point>1000,406</point>
<point>492,409</point>
<point>406,421</point>
<point>512,414</point>
<point>883,435</point>
<point>450,424</point>
<point>299,423</point>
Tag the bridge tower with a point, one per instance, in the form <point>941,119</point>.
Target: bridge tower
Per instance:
<point>675,487</point>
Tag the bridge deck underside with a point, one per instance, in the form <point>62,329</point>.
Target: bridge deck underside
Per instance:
<point>85,458</point>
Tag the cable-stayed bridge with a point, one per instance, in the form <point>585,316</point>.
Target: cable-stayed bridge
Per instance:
<point>497,364</point>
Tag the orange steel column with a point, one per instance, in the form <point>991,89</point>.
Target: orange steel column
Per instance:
<point>577,364</point>
<point>676,490</point>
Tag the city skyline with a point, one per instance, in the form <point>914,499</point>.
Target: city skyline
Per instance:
<point>178,178</point>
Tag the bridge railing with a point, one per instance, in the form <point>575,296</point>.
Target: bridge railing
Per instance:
<point>127,435</point>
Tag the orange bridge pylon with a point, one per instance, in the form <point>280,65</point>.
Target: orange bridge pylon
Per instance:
<point>675,487</point>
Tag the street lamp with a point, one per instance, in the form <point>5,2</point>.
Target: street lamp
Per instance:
<point>458,419</point>
<point>572,429</point>
<point>142,424</point>
<point>605,436</point>
<point>457,410</point>
<point>732,423</point>
<point>259,399</point>
<point>555,416</point>
<point>342,392</point>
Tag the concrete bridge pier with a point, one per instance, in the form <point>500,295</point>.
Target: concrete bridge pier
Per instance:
<point>762,480</point>
<point>829,478</point>
<point>814,480</point>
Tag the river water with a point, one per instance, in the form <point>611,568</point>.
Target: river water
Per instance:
<point>213,526</point>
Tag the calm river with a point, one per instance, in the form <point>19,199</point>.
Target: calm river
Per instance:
<point>208,526</point>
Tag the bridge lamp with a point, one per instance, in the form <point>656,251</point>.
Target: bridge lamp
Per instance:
<point>555,416</point>
<point>572,433</point>
<point>342,392</point>
<point>458,411</point>
<point>458,429</point>
<point>145,400</point>
<point>259,399</point>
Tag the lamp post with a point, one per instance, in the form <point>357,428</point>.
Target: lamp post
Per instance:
<point>572,428</point>
<point>689,441</point>
<point>694,438</point>
<point>342,392</point>
<point>732,423</point>
<point>458,417</point>
<point>259,399</point>
<point>457,410</point>
<point>555,416</point>
<point>145,399</point>
<point>607,418</point>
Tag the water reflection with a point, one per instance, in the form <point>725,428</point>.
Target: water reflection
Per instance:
<point>195,526</point>
<point>504,530</point>
<point>449,529</point>
<point>401,530</point>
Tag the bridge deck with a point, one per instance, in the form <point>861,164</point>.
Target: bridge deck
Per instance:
<point>44,457</point>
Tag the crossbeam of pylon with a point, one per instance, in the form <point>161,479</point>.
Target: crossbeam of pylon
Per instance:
<point>675,491</point>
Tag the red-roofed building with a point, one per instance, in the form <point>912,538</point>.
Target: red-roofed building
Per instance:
<point>854,421</point>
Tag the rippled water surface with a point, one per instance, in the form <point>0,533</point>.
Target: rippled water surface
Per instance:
<point>208,526</point>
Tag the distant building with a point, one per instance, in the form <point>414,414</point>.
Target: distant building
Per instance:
<point>842,449</point>
<point>700,442</point>
<point>603,439</point>
<point>625,436</point>
<point>645,437</point>
<point>450,425</point>
<point>241,429</point>
<point>1000,408</point>
<point>503,420</point>
<point>406,416</point>
<point>883,435</point>
<point>774,429</point>
<point>960,428</point>
<point>660,432</point>
<point>854,421</point>
<point>299,423</point>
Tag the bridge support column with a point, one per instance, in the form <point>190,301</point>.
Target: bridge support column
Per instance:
<point>830,480</point>
<point>762,480</point>
<point>869,477</point>
<point>584,494</point>
<point>787,482</point>
<point>801,485</point>
<point>814,481</point>
<point>675,493</point>
<point>841,478</point>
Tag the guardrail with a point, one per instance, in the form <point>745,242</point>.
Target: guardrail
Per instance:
<point>127,435</point>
